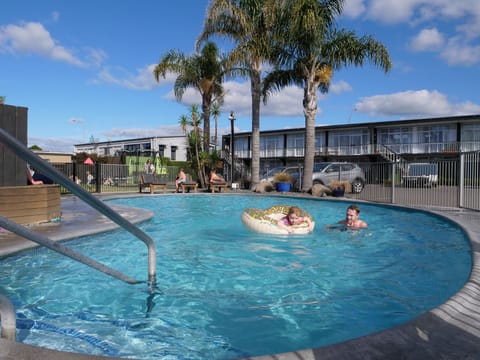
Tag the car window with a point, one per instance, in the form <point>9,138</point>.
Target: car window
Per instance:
<point>347,167</point>
<point>292,171</point>
<point>273,171</point>
<point>422,169</point>
<point>333,168</point>
<point>319,167</point>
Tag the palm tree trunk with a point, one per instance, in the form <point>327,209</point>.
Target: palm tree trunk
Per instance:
<point>310,110</point>
<point>216,132</point>
<point>206,105</point>
<point>255,82</point>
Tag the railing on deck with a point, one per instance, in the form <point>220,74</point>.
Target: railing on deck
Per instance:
<point>365,149</point>
<point>56,175</point>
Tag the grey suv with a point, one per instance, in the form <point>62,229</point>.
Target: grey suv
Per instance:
<point>325,172</point>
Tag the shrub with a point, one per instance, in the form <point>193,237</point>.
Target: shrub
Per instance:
<point>282,177</point>
<point>345,184</point>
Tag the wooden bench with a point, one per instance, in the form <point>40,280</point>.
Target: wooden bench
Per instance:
<point>219,186</point>
<point>150,181</point>
<point>187,185</point>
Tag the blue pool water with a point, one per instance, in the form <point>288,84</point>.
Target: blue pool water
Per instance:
<point>225,292</point>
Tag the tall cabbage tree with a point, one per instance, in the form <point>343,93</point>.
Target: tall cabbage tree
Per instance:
<point>248,23</point>
<point>308,49</point>
<point>216,113</point>
<point>203,72</point>
<point>191,129</point>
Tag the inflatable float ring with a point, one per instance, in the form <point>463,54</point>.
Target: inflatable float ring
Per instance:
<point>265,221</point>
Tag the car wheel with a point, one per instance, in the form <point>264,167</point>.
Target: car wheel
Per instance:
<point>357,186</point>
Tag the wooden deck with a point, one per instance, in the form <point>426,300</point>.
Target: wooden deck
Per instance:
<point>30,204</point>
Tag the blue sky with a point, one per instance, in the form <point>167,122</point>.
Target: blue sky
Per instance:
<point>84,68</point>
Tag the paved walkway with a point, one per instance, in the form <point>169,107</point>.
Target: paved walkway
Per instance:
<point>451,331</point>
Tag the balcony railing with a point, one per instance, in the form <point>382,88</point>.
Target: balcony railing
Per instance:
<point>366,149</point>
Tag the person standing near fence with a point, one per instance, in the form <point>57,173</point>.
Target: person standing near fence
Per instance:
<point>90,179</point>
<point>149,168</point>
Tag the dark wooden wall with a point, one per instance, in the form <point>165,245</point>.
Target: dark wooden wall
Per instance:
<point>13,119</point>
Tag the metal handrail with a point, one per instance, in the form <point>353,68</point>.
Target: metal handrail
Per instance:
<point>38,163</point>
<point>8,320</point>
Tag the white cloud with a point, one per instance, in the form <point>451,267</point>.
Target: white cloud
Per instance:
<point>238,98</point>
<point>95,57</point>
<point>418,11</point>
<point>414,103</point>
<point>54,144</point>
<point>132,133</point>
<point>340,87</point>
<point>33,39</point>
<point>287,102</point>
<point>354,8</point>
<point>427,39</point>
<point>459,22</point>
<point>142,80</point>
<point>55,16</point>
<point>76,121</point>
<point>391,11</point>
<point>458,53</point>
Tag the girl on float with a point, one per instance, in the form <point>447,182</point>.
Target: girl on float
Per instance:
<point>294,218</point>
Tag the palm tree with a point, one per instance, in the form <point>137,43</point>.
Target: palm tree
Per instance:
<point>204,72</point>
<point>308,48</point>
<point>248,24</point>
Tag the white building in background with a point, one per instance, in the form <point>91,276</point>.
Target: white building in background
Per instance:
<point>173,147</point>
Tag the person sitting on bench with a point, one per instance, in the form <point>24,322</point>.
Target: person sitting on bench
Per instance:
<point>35,178</point>
<point>181,178</point>
<point>214,178</point>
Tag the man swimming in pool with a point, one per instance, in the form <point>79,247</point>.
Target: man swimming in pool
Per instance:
<point>352,220</point>
<point>294,218</point>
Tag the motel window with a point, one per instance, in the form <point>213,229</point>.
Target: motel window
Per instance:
<point>173,152</point>
<point>161,151</point>
<point>271,145</point>
<point>295,144</point>
<point>241,147</point>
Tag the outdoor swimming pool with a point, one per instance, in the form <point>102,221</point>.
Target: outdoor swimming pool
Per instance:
<point>225,292</point>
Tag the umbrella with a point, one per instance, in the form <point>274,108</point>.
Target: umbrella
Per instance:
<point>88,161</point>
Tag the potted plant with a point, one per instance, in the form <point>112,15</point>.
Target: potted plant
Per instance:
<point>246,181</point>
<point>283,181</point>
<point>339,188</point>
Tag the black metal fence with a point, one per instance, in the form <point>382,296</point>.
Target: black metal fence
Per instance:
<point>102,178</point>
<point>443,183</point>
